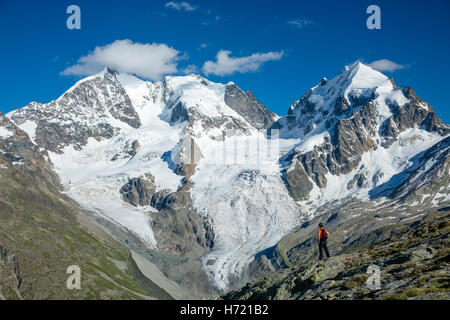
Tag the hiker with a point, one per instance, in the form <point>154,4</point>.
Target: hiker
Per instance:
<point>323,236</point>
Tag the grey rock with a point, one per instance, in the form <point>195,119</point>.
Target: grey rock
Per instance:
<point>81,113</point>
<point>248,107</point>
<point>179,113</point>
<point>178,228</point>
<point>139,191</point>
<point>422,179</point>
<point>19,151</point>
<point>159,198</point>
<point>297,182</point>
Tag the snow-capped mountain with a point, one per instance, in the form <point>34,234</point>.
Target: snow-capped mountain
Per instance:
<point>357,131</point>
<point>187,166</point>
<point>103,152</point>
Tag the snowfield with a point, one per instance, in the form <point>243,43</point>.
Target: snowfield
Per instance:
<point>246,201</point>
<point>5,133</point>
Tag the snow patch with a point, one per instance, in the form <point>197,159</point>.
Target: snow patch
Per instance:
<point>5,133</point>
<point>314,140</point>
<point>29,127</point>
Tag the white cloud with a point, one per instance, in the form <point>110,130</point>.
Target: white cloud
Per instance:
<point>299,23</point>
<point>150,61</point>
<point>192,68</point>
<point>386,65</point>
<point>226,65</point>
<point>180,6</point>
<point>202,46</point>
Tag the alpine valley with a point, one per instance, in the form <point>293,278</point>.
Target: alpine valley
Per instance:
<point>133,182</point>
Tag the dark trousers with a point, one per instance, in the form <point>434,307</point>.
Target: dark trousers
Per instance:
<point>323,246</point>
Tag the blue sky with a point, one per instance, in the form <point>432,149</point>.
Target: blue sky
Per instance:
<point>299,42</point>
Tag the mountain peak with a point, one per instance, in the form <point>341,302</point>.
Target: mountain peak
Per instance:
<point>363,76</point>
<point>110,70</point>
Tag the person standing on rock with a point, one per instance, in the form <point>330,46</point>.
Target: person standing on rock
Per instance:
<point>323,237</point>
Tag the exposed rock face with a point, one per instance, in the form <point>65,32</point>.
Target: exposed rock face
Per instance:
<point>184,237</point>
<point>297,182</point>
<point>417,112</point>
<point>82,113</point>
<point>359,117</point>
<point>10,275</point>
<point>359,179</point>
<point>180,109</point>
<point>139,191</point>
<point>159,199</point>
<point>248,107</point>
<point>350,138</point>
<point>428,178</point>
<point>129,150</point>
<point>18,150</point>
<point>179,113</point>
<point>180,229</point>
<point>134,147</point>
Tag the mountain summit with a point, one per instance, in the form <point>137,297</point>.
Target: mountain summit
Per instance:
<point>357,130</point>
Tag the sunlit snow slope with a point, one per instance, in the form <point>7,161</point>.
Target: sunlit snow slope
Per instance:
<point>246,203</point>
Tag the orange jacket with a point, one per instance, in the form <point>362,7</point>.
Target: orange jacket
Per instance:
<point>320,232</point>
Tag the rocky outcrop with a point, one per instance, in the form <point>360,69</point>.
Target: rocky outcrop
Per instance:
<point>358,179</point>
<point>338,155</point>
<point>180,230</point>
<point>248,107</point>
<point>413,264</point>
<point>297,182</point>
<point>179,113</point>
<point>18,150</point>
<point>139,191</point>
<point>428,179</point>
<point>129,150</point>
<point>10,274</point>
<point>351,138</point>
<point>159,199</point>
<point>359,119</point>
<point>183,237</point>
<point>417,112</point>
<point>81,113</point>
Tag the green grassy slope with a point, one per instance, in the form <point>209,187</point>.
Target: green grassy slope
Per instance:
<point>40,236</point>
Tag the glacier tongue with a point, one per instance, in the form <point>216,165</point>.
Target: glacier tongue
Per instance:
<point>246,202</point>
